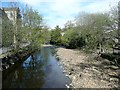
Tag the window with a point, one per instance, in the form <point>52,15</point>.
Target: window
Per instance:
<point>11,15</point>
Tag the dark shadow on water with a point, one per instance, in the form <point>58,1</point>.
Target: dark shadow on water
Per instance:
<point>40,70</point>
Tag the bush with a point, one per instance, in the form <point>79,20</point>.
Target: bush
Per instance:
<point>72,39</point>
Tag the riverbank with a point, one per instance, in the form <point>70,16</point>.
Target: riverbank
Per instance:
<point>87,71</point>
<point>12,61</point>
<point>12,58</point>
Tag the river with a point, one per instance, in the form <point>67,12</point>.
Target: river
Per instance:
<point>40,70</point>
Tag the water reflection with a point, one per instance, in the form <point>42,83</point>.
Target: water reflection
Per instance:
<point>40,70</point>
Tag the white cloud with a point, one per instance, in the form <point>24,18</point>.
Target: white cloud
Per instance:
<point>68,10</point>
<point>101,6</point>
<point>57,12</point>
<point>32,2</point>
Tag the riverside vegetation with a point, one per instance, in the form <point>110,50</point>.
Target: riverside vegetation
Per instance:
<point>92,34</point>
<point>87,55</point>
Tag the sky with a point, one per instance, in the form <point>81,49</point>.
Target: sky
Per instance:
<point>58,12</point>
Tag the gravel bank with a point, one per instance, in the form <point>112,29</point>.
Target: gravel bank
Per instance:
<point>87,72</point>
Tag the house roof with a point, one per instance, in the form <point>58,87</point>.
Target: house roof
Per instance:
<point>10,8</point>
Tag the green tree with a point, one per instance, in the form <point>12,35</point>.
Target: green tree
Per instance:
<point>93,29</point>
<point>114,18</point>
<point>16,15</point>
<point>32,27</point>
<point>7,31</point>
<point>73,39</point>
<point>68,25</point>
<point>46,35</point>
<point>56,36</point>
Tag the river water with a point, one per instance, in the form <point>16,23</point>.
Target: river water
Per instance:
<point>40,70</point>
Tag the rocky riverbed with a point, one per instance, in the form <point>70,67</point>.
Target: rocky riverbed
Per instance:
<point>87,70</point>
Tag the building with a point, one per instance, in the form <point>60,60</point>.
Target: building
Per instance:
<point>13,14</point>
<point>4,25</point>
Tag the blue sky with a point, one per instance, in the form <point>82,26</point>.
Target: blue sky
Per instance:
<point>58,12</point>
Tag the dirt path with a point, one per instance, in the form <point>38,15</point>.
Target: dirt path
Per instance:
<point>87,72</point>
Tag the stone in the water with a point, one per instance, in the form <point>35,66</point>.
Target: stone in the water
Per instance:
<point>63,70</point>
<point>67,86</point>
<point>7,66</point>
<point>70,84</point>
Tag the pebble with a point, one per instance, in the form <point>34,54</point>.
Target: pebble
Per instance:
<point>7,66</point>
<point>67,86</point>
<point>74,77</point>
<point>85,75</point>
<point>63,71</point>
<point>72,69</point>
<point>114,79</point>
<point>80,75</point>
<point>70,84</point>
<point>66,75</point>
<point>70,73</point>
